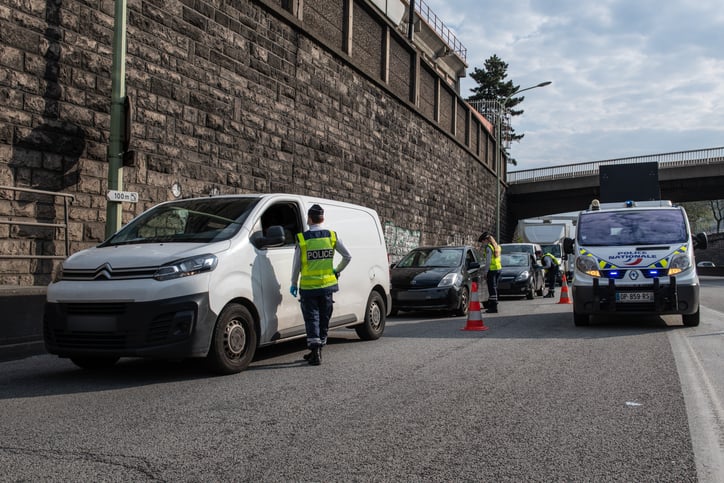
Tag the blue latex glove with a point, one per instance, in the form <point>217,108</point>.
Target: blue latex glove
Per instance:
<point>293,291</point>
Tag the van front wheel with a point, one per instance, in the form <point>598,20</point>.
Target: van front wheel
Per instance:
<point>234,341</point>
<point>374,323</point>
<point>580,319</point>
<point>691,320</point>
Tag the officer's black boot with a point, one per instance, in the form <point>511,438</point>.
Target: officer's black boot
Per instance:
<point>315,357</point>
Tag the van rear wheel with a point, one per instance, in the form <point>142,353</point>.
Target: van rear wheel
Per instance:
<point>233,343</point>
<point>374,323</point>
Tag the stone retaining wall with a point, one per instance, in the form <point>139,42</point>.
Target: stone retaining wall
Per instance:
<point>316,97</point>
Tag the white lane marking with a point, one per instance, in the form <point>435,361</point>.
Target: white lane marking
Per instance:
<point>704,409</point>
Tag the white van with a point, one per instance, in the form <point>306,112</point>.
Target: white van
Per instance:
<point>209,277</point>
<point>635,258</point>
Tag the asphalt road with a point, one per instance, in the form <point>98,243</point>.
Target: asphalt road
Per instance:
<point>533,398</point>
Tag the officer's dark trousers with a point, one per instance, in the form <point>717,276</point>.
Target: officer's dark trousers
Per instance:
<point>316,310</point>
<point>551,275</point>
<point>492,278</point>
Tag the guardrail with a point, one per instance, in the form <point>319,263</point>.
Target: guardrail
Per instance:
<point>440,28</point>
<point>677,159</point>
<point>25,222</point>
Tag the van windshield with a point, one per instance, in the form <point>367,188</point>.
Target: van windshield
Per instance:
<point>187,221</point>
<point>645,227</point>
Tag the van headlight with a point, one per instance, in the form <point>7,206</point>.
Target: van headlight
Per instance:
<point>187,267</point>
<point>450,280</point>
<point>679,263</point>
<point>588,266</point>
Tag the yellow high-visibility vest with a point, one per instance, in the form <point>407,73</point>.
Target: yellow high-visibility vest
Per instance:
<point>494,261</point>
<point>317,259</point>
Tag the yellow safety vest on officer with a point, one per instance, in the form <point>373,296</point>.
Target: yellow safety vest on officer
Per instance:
<point>553,260</point>
<point>495,263</point>
<point>317,259</point>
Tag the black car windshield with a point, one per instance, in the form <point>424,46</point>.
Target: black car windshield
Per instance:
<point>432,257</point>
<point>514,259</point>
<point>187,221</point>
<point>645,227</point>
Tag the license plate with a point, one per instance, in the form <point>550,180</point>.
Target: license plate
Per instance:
<point>633,297</point>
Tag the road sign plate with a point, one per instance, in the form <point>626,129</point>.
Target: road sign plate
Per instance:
<point>127,196</point>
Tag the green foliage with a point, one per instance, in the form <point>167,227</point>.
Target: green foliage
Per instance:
<point>705,216</point>
<point>493,86</point>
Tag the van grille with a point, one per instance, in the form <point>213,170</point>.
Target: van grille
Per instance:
<point>96,309</point>
<point>106,272</point>
<point>158,331</point>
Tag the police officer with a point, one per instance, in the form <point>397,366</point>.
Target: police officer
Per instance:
<point>492,267</point>
<point>552,266</point>
<point>314,260</point>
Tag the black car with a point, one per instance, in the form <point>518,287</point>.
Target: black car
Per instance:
<point>435,278</point>
<point>521,275</point>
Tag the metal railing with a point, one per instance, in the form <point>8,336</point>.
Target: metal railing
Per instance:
<point>697,157</point>
<point>439,27</point>
<point>24,222</point>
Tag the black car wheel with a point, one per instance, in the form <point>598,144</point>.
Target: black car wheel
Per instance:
<point>464,302</point>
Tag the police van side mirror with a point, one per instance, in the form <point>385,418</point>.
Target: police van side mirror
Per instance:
<point>568,244</point>
<point>701,241</point>
<point>274,237</point>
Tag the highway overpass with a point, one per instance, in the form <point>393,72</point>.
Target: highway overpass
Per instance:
<point>683,176</point>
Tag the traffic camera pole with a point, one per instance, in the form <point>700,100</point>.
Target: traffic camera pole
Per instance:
<point>118,118</point>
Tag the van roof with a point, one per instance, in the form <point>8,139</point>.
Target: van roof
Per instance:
<point>628,204</point>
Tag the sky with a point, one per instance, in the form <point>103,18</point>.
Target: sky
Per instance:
<point>629,77</point>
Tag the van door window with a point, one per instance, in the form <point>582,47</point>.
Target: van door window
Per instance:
<point>286,215</point>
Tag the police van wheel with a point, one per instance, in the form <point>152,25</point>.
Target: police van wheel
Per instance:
<point>691,320</point>
<point>374,323</point>
<point>580,319</point>
<point>233,343</point>
<point>94,363</point>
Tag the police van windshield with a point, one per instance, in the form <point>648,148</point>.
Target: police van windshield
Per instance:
<point>187,221</point>
<point>645,227</point>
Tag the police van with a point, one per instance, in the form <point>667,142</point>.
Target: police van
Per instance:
<point>635,258</point>
<point>209,278</point>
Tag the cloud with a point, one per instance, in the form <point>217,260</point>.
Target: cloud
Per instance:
<point>629,78</point>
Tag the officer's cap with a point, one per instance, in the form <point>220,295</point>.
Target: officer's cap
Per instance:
<point>316,210</point>
<point>483,236</point>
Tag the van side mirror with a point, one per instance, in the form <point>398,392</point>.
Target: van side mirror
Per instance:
<point>274,237</point>
<point>701,241</point>
<point>568,245</point>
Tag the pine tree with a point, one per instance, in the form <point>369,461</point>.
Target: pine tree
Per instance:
<point>493,86</point>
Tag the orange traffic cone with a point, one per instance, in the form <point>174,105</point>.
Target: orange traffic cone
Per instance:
<point>475,320</point>
<point>564,291</point>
